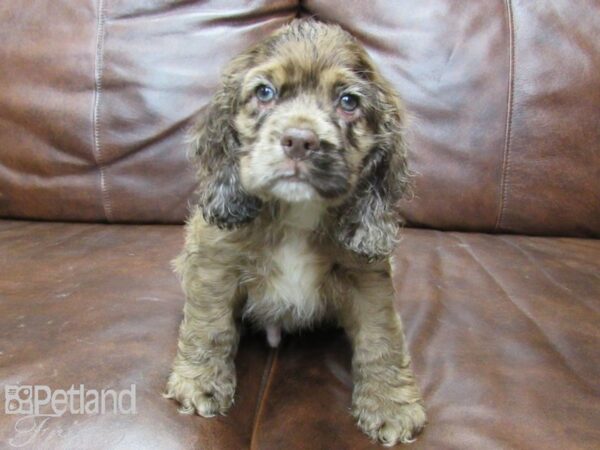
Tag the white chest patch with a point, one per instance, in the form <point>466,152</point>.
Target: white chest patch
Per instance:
<point>288,293</point>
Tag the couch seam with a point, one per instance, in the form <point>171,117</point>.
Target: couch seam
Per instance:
<point>505,179</point>
<point>262,393</point>
<point>97,148</point>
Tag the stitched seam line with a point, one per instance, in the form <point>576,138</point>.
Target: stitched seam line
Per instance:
<point>262,394</point>
<point>505,180</point>
<point>104,192</point>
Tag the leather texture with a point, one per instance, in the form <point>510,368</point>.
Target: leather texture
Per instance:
<point>101,95</point>
<point>503,331</point>
<point>504,97</point>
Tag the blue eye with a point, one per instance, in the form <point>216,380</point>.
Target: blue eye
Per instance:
<point>348,102</point>
<point>265,93</point>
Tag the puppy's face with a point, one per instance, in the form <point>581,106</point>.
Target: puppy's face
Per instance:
<point>305,116</point>
<point>303,119</point>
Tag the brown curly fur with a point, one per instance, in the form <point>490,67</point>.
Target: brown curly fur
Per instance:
<point>289,256</point>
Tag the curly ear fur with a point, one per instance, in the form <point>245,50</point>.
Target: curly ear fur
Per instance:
<point>223,200</point>
<point>368,222</point>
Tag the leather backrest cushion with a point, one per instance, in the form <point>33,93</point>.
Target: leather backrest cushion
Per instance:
<point>504,96</point>
<point>97,97</point>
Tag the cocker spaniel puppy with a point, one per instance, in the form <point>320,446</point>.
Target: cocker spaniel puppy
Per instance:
<point>301,159</point>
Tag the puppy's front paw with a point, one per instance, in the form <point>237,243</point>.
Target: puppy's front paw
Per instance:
<point>388,414</point>
<point>206,394</point>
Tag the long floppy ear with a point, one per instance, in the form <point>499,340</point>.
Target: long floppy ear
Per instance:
<point>368,222</point>
<point>223,200</point>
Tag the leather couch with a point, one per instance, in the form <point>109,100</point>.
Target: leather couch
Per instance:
<point>498,271</point>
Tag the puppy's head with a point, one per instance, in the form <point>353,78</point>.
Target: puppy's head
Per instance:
<point>305,116</point>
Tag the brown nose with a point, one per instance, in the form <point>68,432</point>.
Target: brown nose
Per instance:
<point>297,143</point>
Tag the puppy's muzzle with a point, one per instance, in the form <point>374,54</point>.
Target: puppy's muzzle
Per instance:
<point>299,143</point>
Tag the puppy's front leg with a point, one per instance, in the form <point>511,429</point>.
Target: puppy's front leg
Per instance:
<point>203,377</point>
<point>386,400</point>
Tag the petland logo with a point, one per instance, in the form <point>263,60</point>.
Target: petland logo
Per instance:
<point>39,400</point>
<point>37,404</point>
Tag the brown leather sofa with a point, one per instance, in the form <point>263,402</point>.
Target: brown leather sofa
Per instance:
<point>498,272</point>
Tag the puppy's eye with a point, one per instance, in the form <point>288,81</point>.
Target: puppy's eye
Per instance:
<point>265,93</point>
<point>348,102</point>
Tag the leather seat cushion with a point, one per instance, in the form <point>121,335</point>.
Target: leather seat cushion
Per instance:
<point>502,329</point>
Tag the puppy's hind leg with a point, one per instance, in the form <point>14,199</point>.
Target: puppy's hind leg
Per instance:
<point>386,400</point>
<point>203,377</point>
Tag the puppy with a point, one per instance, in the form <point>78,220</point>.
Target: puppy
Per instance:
<point>301,160</point>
